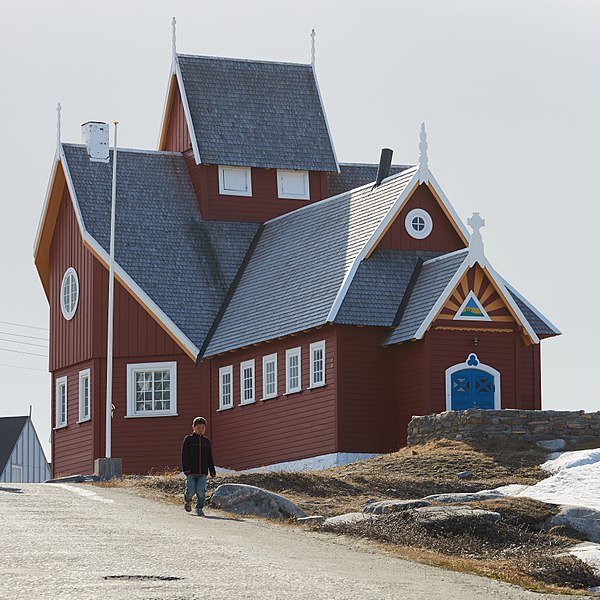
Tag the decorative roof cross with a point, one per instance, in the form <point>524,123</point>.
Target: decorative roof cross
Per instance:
<point>423,158</point>
<point>58,136</point>
<point>312,47</point>
<point>174,36</point>
<point>475,222</point>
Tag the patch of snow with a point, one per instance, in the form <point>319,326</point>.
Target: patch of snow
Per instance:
<point>557,461</point>
<point>89,494</point>
<point>513,489</point>
<point>589,553</point>
<point>315,463</point>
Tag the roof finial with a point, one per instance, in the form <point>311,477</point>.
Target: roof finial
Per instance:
<point>174,35</point>
<point>58,137</point>
<point>476,254</point>
<point>312,47</point>
<point>423,159</point>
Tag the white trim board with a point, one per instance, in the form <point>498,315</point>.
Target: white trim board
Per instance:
<point>186,110</point>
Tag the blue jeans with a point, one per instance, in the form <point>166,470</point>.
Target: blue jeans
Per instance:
<point>195,484</point>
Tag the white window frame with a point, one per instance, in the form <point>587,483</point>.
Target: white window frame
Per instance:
<point>60,382</point>
<point>288,354</point>
<point>247,364</point>
<point>314,347</point>
<point>269,358</point>
<point>426,231</point>
<point>132,369</point>
<point>85,374</point>
<point>228,370</point>
<point>226,192</point>
<point>16,469</point>
<point>69,314</point>
<point>281,173</point>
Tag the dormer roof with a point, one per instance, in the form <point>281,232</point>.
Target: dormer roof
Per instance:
<point>255,113</point>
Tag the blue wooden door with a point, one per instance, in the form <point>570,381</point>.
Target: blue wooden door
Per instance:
<point>472,388</point>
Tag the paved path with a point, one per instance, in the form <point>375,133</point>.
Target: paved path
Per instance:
<point>63,541</point>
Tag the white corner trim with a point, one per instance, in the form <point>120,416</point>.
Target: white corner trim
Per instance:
<point>138,292</point>
<point>443,297</point>
<point>371,243</point>
<point>457,220</point>
<point>151,366</point>
<point>71,188</point>
<point>337,164</point>
<point>186,110</point>
<point>514,292</point>
<point>479,366</point>
<point>471,296</point>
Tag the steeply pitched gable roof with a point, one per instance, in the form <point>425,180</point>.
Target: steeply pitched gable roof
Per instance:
<point>299,264</point>
<point>183,264</point>
<point>256,113</point>
<point>10,430</point>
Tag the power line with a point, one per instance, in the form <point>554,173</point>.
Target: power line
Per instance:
<point>20,325</point>
<point>30,337</point>
<point>26,343</point>
<point>21,352</point>
<point>18,367</point>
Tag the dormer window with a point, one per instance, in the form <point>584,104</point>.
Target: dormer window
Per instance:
<point>235,181</point>
<point>293,185</point>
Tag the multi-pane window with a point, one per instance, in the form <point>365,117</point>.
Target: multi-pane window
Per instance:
<point>152,389</point>
<point>269,376</point>
<point>317,364</point>
<point>61,402</point>
<point>247,382</point>
<point>69,293</point>
<point>226,387</point>
<point>292,370</point>
<point>84,395</point>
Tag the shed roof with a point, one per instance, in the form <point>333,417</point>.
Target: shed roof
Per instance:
<point>256,113</point>
<point>10,430</point>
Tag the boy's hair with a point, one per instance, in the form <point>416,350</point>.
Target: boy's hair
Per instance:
<point>199,421</point>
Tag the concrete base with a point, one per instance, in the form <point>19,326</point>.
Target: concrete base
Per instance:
<point>108,468</point>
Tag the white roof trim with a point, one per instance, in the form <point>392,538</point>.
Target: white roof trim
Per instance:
<point>533,309</point>
<point>164,111</point>
<point>71,188</point>
<point>389,217</point>
<point>38,234</point>
<point>337,164</point>
<point>445,256</point>
<point>457,220</point>
<point>186,110</point>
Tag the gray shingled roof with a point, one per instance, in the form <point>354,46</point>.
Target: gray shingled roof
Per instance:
<point>378,287</point>
<point>257,114</point>
<point>433,279</point>
<point>353,175</point>
<point>10,430</point>
<point>539,325</point>
<point>299,264</point>
<point>183,263</point>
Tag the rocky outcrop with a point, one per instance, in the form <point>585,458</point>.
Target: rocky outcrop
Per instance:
<point>390,506</point>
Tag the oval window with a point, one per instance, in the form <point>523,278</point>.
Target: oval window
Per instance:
<point>69,293</point>
<point>418,223</point>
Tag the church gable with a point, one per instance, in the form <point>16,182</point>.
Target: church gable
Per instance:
<point>475,298</point>
<point>423,224</point>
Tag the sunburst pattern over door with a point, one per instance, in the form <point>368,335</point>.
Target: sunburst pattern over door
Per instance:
<point>476,280</point>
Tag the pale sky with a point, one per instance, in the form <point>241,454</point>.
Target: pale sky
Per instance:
<point>509,92</point>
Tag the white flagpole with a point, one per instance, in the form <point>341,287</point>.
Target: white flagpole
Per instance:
<point>111,301</point>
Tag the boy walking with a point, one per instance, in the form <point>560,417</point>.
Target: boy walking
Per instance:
<point>197,463</point>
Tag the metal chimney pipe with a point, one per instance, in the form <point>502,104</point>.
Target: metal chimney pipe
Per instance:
<point>385,162</point>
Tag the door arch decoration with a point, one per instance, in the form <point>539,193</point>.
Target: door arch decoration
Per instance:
<point>472,384</point>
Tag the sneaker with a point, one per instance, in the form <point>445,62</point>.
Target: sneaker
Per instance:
<point>188,506</point>
<point>200,512</point>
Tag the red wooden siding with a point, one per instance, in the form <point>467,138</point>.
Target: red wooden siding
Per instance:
<point>366,395</point>
<point>177,138</point>
<point>71,342</point>
<point>285,428</point>
<point>443,237</point>
<point>260,207</point>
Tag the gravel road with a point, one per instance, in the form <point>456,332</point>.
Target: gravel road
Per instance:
<point>80,541</point>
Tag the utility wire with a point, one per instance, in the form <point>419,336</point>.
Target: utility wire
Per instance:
<point>21,352</point>
<point>18,367</point>
<point>26,343</point>
<point>20,325</point>
<point>30,337</point>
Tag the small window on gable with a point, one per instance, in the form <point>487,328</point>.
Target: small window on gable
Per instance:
<point>247,382</point>
<point>292,370</point>
<point>84,395</point>
<point>61,402</point>
<point>235,181</point>
<point>69,293</point>
<point>293,185</point>
<point>269,376</point>
<point>226,387</point>
<point>317,364</point>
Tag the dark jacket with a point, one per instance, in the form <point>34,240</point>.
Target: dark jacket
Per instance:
<point>196,456</point>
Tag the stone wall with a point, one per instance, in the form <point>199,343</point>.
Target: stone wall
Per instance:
<point>477,425</point>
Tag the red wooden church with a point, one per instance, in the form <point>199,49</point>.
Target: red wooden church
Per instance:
<point>307,308</point>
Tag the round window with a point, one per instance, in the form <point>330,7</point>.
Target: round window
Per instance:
<point>418,223</point>
<point>69,293</point>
